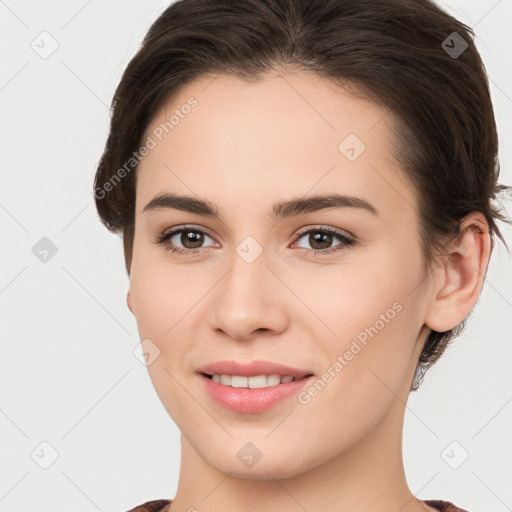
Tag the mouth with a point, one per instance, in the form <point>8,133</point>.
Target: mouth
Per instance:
<point>237,370</point>
<point>254,382</point>
<point>251,387</point>
<point>252,394</point>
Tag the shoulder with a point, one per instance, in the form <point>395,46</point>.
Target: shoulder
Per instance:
<point>152,506</point>
<point>162,506</point>
<point>444,506</point>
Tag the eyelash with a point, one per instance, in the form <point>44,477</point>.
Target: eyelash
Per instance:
<point>345,241</point>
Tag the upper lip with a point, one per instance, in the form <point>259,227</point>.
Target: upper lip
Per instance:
<point>251,369</point>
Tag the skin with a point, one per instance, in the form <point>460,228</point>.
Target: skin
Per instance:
<point>244,147</point>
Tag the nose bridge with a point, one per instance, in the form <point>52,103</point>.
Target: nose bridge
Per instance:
<point>246,300</point>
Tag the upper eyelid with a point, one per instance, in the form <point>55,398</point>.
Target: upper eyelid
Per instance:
<point>179,229</point>
<point>323,227</point>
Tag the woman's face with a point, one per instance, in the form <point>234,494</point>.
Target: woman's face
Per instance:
<point>261,284</point>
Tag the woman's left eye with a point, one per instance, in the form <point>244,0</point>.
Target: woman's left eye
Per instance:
<point>325,236</point>
<point>194,238</point>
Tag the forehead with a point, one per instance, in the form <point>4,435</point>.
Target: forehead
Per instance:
<point>285,134</point>
<point>276,99</point>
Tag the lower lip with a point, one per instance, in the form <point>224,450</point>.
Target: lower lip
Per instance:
<point>249,400</point>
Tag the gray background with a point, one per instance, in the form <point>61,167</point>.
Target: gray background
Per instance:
<point>69,377</point>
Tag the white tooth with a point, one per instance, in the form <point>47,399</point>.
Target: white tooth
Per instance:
<point>225,379</point>
<point>256,382</point>
<point>237,381</point>
<point>273,380</point>
<point>260,381</point>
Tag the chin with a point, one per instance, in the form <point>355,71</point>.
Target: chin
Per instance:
<point>275,465</point>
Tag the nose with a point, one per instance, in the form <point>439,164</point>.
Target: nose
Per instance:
<point>249,301</point>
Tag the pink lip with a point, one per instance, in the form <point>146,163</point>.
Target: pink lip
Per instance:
<point>252,369</point>
<point>252,401</point>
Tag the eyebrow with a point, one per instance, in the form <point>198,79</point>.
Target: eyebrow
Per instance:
<point>281,209</point>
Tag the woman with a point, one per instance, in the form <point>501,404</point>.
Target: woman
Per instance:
<point>305,194</point>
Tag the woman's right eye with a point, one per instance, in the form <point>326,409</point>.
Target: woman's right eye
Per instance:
<point>185,236</point>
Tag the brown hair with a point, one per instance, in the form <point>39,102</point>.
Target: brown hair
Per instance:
<point>403,54</point>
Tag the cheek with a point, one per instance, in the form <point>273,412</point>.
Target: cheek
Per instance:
<point>348,298</point>
<point>162,292</point>
<point>161,301</point>
<point>368,360</point>
<point>152,307</point>
<point>370,318</point>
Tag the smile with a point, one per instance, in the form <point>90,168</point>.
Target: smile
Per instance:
<point>251,395</point>
<point>258,381</point>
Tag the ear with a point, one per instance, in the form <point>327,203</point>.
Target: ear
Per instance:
<point>460,279</point>
<point>129,302</point>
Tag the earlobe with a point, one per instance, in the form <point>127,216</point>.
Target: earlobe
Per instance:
<point>459,282</point>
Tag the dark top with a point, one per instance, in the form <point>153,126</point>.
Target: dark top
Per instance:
<point>162,506</point>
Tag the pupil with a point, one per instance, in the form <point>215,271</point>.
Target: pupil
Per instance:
<point>188,237</point>
<point>317,238</point>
